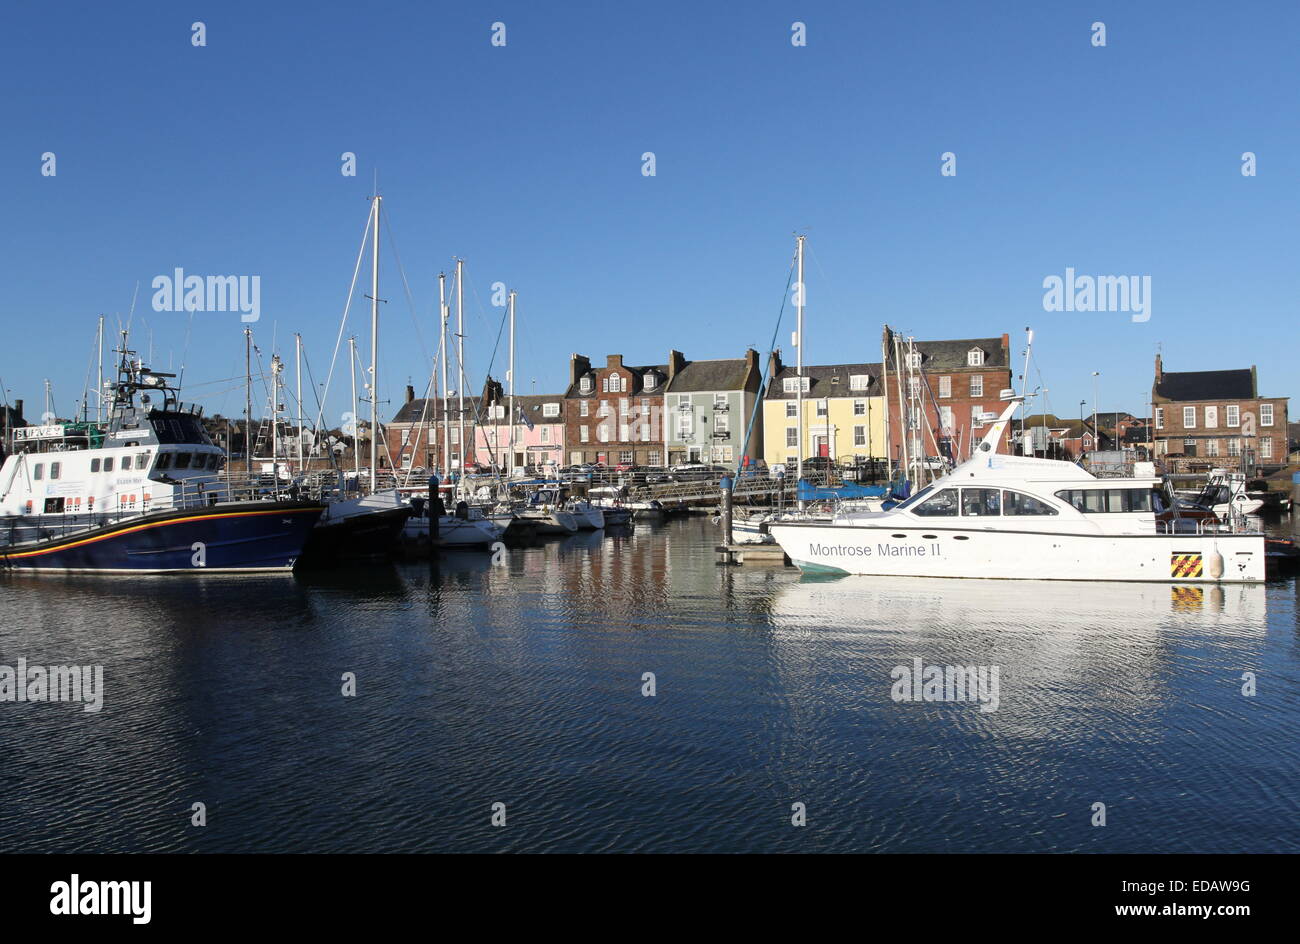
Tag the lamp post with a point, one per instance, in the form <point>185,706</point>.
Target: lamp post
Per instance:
<point>1083,427</point>
<point>1096,419</point>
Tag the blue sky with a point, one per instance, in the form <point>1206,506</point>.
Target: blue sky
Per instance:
<point>526,161</point>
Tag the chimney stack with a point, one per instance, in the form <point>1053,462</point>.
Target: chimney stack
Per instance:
<point>18,408</point>
<point>676,361</point>
<point>613,360</point>
<point>578,365</point>
<point>410,393</point>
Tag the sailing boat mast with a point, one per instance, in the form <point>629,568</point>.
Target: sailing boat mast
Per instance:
<point>297,357</point>
<point>99,391</point>
<point>248,400</point>
<point>510,457</point>
<point>374,353</point>
<point>460,366</point>
<point>442,343</point>
<point>798,355</point>
<point>356,426</point>
<point>884,386</point>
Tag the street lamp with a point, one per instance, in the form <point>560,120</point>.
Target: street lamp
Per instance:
<point>1096,419</point>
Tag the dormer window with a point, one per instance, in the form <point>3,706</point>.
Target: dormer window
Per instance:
<point>651,381</point>
<point>914,359</point>
<point>586,385</point>
<point>974,357</point>
<point>859,381</point>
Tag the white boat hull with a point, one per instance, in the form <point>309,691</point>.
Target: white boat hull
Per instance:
<point>899,549</point>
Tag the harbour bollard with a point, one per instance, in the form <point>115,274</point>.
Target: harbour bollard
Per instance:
<point>1295,503</point>
<point>725,485</point>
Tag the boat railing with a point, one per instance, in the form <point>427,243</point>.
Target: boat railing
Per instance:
<point>1234,523</point>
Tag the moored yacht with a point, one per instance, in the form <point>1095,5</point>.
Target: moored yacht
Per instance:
<point>1002,516</point>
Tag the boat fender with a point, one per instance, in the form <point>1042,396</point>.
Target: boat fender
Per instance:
<point>1215,562</point>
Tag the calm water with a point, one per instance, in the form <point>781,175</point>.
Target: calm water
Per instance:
<point>521,684</point>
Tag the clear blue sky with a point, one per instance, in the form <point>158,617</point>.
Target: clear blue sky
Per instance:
<point>526,161</point>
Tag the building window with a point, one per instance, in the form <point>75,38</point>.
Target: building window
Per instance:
<point>721,423</point>
<point>914,386</point>
<point>791,437</point>
<point>1189,417</point>
<point>1232,415</point>
<point>584,407</point>
<point>651,381</point>
<point>584,434</point>
<point>974,357</point>
<point>1211,417</point>
<point>859,435</point>
<point>652,457</point>
<point>859,381</point>
<point>1211,447</point>
<point>719,401</point>
<point>645,432</point>
<point>791,410</point>
<point>585,384</point>
<point>977,386</point>
<point>1160,417</point>
<point>977,416</point>
<point>945,386</point>
<point>1266,414</point>
<point>914,359</point>
<point>685,425</point>
<point>552,410</point>
<point>791,384</point>
<point>945,418</point>
<point>1234,447</point>
<point>821,407</point>
<point>859,407</point>
<point>544,435</point>
<point>1266,448</point>
<point>625,457</point>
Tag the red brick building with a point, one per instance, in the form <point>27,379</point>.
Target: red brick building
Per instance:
<point>614,414</point>
<point>1217,419</point>
<point>948,388</point>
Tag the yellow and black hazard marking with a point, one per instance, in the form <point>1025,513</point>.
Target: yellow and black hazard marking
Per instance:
<point>1187,598</point>
<point>1185,565</point>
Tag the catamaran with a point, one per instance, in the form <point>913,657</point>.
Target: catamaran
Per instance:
<point>1019,517</point>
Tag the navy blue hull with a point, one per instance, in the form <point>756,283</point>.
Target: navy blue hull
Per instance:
<point>246,536</point>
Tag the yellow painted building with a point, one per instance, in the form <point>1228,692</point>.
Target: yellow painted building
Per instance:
<point>843,413</point>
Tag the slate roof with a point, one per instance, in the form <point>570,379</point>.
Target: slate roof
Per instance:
<point>1207,385</point>
<point>574,390</point>
<point>709,376</point>
<point>829,380</point>
<point>951,355</point>
<point>530,403</point>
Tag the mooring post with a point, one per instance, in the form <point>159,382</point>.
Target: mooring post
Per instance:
<point>1295,503</point>
<point>726,485</point>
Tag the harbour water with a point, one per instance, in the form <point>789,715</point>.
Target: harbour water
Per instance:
<point>524,684</point>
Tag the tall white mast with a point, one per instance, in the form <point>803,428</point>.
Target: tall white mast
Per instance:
<point>798,354</point>
<point>297,357</point>
<point>446,414</point>
<point>99,391</point>
<point>374,354</point>
<point>460,365</point>
<point>510,459</point>
<point>356,426</point>
<point>248,400</point>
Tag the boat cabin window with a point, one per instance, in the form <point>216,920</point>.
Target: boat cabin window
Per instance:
<point>108,464</point>
<point>126,463</point>
<point>94,465</point>
<point>980,502</point>
<point>164,461</point>
<point>55,469</point>
<point>38,471</point>
<point>1018,503</point>
<point>917,497</point>
<point>142,460</point>
<point>54,506</point>
<point>182,460</point>
<point>942,505</point>
<point>1101,501</point>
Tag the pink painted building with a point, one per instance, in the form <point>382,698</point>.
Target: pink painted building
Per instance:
<point>538,431</point>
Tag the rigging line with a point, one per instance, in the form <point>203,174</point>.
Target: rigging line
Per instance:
<point>410,299</point>
<point>343,322</point>
<point>763,378</point>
